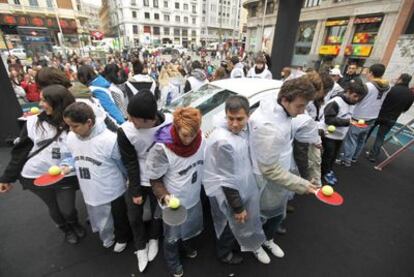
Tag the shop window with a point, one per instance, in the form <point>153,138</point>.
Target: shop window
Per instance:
<point>335,35</point>
<point>366,33</point>
<point>304,38</point>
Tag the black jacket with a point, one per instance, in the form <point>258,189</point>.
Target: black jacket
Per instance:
<point>331,111</point>
<point>398,100</point>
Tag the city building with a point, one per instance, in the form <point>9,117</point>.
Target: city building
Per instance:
<point>105,18</point>
<point>334,31</point>
<point>35,22</point>
<point>154,22</point>
<point>220,20</point>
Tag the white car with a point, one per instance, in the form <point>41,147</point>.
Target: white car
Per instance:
<point>19,52</point>
<point>210,98</point>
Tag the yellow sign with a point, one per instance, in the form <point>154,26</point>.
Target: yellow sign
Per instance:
<point>339,22</point>
<point>329,50</point>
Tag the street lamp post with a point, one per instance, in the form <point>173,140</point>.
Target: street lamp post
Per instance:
<point>60,38</point>
<point>263,24</point>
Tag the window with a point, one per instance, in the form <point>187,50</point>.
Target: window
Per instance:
<point>335,35</point>
<point>193,33</point>
<point>194,8</point>
<point>253,11</point>
<point>156,16</point>
<point>177,6</point>
<point>166,17</point>
<point>134,14</point>
<point>185,19</point>
<point>176,32</point>
<point>193,20</point>
<point>147,15</point>
<point>270,8</point>
<point>16,2</point>
<point>135,29</point>
<point>311,3</point>
<point>155,3</point>
<point>146,3</point>
<point>156,30</point>
<point>186,7</point>
<point>133,2</point>
<point>165,4</point>
<point>166,31</point>
<point>177,18</point>
<point>49,4</point>
<point>304,38</point>
<point>147,29</point>
<point>184,32</point>
<point>33,3</point>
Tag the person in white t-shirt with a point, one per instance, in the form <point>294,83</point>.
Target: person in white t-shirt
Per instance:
<point>97,163</point>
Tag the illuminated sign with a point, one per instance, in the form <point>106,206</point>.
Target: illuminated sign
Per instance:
<point>358,50</point>
<point>329,50</point>
<point>338,22</point>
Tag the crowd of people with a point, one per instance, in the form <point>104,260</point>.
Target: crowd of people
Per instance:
<point>103,126</point>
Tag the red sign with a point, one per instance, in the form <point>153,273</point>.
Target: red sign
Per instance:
<point>97,35</point>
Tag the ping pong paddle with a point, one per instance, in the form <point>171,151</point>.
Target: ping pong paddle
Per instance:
<point>47,179</point>
<point>335,199</point>
<point>356,124</point>
<point>174,217</point>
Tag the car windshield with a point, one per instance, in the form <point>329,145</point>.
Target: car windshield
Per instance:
<point>206,98</point>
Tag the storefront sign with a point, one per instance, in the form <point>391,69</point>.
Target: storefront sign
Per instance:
<point>68,25</point>
<point>358,50</point>
<point>367,20</point>
<point>338,22</point>
<point>364,38</point>
<point>329,50</point>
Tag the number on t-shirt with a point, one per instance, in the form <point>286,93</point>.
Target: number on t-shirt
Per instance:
<point>56,153</point>
<point>84,173</point>
<point>194,178</point>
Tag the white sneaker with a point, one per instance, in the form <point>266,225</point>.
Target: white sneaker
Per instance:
<point>152,249</point>
<point>262,256</point>
<point>142,259</point>
<point>108,244</point>
<point>274,248</point>
<point>119,247</point>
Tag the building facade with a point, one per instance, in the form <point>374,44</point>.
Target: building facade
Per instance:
<point>334,31</point>
<point>220,20</point>
<point>43,15</point>
<point>155,22</point>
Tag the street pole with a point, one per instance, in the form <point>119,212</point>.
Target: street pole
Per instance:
<point>263,24</point>
<point>62,39</point>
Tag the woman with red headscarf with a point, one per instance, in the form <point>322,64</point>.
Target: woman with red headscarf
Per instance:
<point>175,166</point>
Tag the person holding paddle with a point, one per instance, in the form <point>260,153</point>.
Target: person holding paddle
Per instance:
<point>175,167</point>
<point>42,144</point>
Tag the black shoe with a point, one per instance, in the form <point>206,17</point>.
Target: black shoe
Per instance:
<point>78,229</point>
<point>370,157</point>
<point>232,259</point>
<point>281,230</point>
<point>71,237</point>
<point>189,252</point>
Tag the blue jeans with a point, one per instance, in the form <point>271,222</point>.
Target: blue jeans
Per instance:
<point>354,141</point>
<point>172,253</point>
<point>271,225</point>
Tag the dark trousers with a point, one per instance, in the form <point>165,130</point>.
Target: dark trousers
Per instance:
<point>384,127</point>
<point>61,204</point>
<point>143,231</point>
<point>122,229</point>
<point>330,151</point>
<point>271,225</point>
<point>226,243</point>
<point>172,253</point>
<point>300,154</point>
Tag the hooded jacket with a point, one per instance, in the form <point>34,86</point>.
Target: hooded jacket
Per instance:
<point>196,80</point>
<point>238,71</point>
<point>100,90</point>
<point>369,107</point>
<point>139,82</point>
